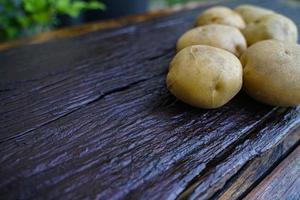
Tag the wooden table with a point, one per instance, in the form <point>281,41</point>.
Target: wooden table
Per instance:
<point>86,115</point>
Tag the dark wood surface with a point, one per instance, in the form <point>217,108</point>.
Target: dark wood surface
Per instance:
<point>258,168</point>
<point>282,183</point>
<point>90,117</point>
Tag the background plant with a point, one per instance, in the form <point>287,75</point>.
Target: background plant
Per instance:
<point>159,4</point>
<point>174,2</point>
<point>27,17</point>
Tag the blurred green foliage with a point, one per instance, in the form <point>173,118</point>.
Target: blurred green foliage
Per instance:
<point>159,4</point>
<point>174,2</point>
<point>27,17</point>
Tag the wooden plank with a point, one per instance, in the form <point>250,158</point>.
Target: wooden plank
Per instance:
<point>71,78</point>
<point>84,76</point>
<point>282,183</point>
<point>257,169</point>
<point>83,68</point>
<point>90,117</point>
<point>235,183</point>
<point>126,143</point>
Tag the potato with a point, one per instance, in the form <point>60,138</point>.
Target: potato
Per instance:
<point>204,76</point>
<point>272,72</point>
<point>216,35</point>
<point>220,15</point>
<point>252,13</point>
<point>273,26</point>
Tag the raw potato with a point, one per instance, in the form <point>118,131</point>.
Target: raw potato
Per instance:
<point>204,76</point>
<point>220,15</point>
<point>216,35</point>
<point>273,26</point>
<point>272,72</point>
<point>252,13</point>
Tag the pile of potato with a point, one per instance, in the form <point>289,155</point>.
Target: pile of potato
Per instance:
<point>249,47</point>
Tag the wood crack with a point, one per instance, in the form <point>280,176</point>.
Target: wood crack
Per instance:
<point>6,90</point>
<point>116,90</point>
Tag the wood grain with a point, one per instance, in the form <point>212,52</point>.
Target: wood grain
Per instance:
<point>282,183</point>
<point>90,117</point>
<point>211,182</point>
<point>257,169</point>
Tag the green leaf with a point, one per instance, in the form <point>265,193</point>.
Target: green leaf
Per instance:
<point>96,5</point>
<point>63,5</point>
<point>26,17</point>
<point>23,21</point>
<point>41,18</point>
<point>11,32</point>
<point>74,9</point>
<point>78,5</point>
<point>35,5</point>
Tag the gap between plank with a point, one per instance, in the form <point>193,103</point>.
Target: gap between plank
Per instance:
<point>228,151</point>
<point>269,171</point>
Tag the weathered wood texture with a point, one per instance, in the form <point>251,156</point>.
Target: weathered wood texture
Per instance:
<point>90,116</point>
<point>282,183</point>
<point>255,170</point>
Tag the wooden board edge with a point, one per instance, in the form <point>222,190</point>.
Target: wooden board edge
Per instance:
<point>282,183</point>
<point>271,157</point>
<point>259,168</point>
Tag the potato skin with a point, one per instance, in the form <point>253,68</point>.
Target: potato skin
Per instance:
<point>272,72</point>
<point>273,26</point>
<point>204,76</point>
<point>252,13</point>
<point>216,35</point>
<point>220,15</point>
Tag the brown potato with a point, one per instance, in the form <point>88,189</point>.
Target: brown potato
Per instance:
<point>273,26</point>
<point>252,13</point>
<point>204,76</point>
<point>220,15</point>
<point>216,35</point>
<point>272,72</point>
